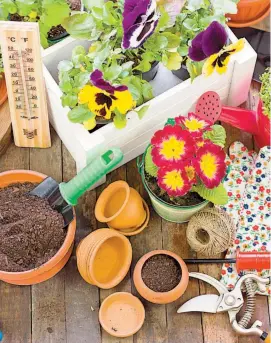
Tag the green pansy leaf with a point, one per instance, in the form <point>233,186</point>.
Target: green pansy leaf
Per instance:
<point>65,83</point>
<point>217,195</point>
<point>78,50</point>
<point>183,50</point>
<point>119,119</point>
<point>142,111</point>
<point>69,100</point>
<point>65,65</point>
<point>112,72</point>
<point>108,11</point>
<point>89,4</point>
<point>97,13</point>
<point>194,68</point>
<point>147,91</point>
<point>174,61</point>
<point>143,66</point>
<point>79,114</point>
<point>163,20</point>
<point>150,167</point>
<point>173,40</point>
<point>217,135</point>
<point>79,25</point>
<point>191,24</point>
<point>81,80</point>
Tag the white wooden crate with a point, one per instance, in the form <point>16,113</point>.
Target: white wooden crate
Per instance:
<point>172,98</point>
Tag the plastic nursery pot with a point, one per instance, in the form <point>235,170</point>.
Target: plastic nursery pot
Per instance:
<point>121,207</point>
<point>170,212</point>
<point>57,262</point>
<point>249,13</point>
<point>104,258</point>
<point>150,75</point>
<point>122,314</point>
<point>160,297</point>
<point>3,89</point>
<point>181,73</point>
<point>57,39</point>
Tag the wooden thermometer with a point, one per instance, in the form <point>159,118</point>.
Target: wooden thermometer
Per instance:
<point>21,50</point>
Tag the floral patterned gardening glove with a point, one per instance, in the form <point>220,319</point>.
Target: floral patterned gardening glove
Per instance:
<point>253,230</point>
<point>241,163</point>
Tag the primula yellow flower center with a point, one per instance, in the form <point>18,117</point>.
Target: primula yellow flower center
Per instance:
<point>200,144</point>
<point>172,148</point>
<point>33,15</point>
<point>190,171</point>
<point>173,180</point>
<point>208,165</point>
<point>193,125</point>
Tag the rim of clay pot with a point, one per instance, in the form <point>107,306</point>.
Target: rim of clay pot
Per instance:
<point>104,198</point>
<point>138,305</point>
<point>164,297</point>
<point>131,232</point>
<point>32,273</point>
<point>244,3</point>
<point>3,89</point>
<point>124,267</point>
<point>141,169</point>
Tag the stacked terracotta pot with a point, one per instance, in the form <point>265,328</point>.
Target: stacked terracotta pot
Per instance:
<point>122,208</point>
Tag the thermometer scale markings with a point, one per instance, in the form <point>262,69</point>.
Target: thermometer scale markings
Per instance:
<point>21,51</point>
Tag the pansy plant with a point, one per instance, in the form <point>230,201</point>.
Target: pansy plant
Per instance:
<point>187,156</point>
<point>108,93</point>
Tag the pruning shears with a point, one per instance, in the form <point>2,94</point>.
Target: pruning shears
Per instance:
<point>231,302</point>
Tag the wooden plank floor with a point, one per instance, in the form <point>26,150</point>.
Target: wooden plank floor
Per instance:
<point>65,308</point>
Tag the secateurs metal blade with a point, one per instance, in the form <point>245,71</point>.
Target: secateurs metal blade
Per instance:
<point>231,302</point>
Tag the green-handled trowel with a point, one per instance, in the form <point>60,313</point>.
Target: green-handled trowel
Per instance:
<point>63,196</point>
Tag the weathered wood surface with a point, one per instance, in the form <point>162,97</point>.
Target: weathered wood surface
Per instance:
<point>65,308</point>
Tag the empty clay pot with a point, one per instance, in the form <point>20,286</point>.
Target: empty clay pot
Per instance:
<point>121,314</point>
<point>121,207</point>
<point>57,262</point>
<point>104,258</point>
<point>3,89</point>
<point>160,297</point>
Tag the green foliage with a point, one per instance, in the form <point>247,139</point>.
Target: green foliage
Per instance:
<point>142,111</point>
<point>47,13</point>
<point>265,92</point>
<point>217,195</point>
<point>150,167</point>
<point>217,135</point>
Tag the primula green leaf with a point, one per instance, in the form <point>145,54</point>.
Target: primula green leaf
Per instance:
<point>65,65</point>
<point>173,40</point>
<point>79,114</point>
<point>217,195</point>
<point>7,7</point>
<point>79,25</point>
<point>150,167</point>
<point>142,111</point>
<point>174,61</point>
<point>54,12</point>
<point>217,135</point>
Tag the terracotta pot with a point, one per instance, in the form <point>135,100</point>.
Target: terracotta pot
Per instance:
<point>3,89</point>
<point>104,258</point>
<point>249,13</point>
<point>160,297</point>
<point>57,262</point>
<point>121,207</point>
<point>121,314</point>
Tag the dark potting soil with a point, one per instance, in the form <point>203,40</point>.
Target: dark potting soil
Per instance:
<point>75,5</point>
<point>161,273</point>
<point>56,31</point>
<point>31,232</point>
<point>190,199</point>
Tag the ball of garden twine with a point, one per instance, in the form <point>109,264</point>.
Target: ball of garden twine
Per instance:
<point>210,231</point>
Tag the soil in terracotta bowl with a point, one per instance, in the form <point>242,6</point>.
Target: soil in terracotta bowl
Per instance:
<point>190,199</point>
<point>31,232</point>
<point>161,273</point>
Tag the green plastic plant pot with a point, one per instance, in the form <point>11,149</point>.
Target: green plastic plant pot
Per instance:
<point>171,213</point>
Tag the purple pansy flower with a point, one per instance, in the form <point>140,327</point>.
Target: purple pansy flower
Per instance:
<point>139,21</point>
<point>208,42</point>
<point>97,80</point>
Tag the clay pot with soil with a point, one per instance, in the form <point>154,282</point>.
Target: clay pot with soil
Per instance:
<point>122,208</point>
<point>161,276</point>
<point>3,89</point>
<point>104,258</point>
<point>34,245</point>
<point>250,12</point>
